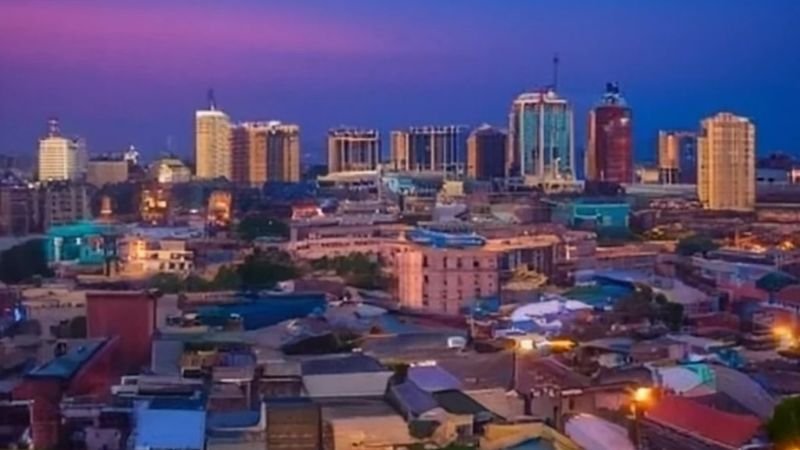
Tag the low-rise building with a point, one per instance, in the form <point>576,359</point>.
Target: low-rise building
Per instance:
<point>170,171</point>
<point>106,170</point>
<point>62,203</point>
<point>142,256</point>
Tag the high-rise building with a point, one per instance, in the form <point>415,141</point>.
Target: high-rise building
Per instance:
<point>486,153</point>
<point>609,151</point>
<point>265,151</point>
<point>283,152</point>
<point>351,149</point>
<point>212,143</point>
<point>541,137</point>
<point>61,158</point>
<point>726,163</point>
<point>430,148</point>
<point>677,157</point>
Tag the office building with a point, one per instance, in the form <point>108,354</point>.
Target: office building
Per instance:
<point>430,149</point>
<point>677,157</point>
<point>726,163</point>
<point>609,151</point>
<point>212,143</point>
<point>352,150</point>
<point>486,153</point>
<point>106,170</point>
<point>63,203</point>
<point>541,138</point>
<point>61,158</point>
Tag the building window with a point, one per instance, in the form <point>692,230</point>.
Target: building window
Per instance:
<point>476,264</point>
<point>424,261</point>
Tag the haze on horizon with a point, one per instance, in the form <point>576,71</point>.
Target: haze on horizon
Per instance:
<point>133,71</point>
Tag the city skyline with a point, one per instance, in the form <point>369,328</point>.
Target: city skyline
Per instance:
<point>140,81</point>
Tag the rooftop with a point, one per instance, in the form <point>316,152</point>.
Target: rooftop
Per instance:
<point>171,428</point>
<point>704,422</point>
<point>68,364</point>
<point>433,378</point>
<point>341,365</point>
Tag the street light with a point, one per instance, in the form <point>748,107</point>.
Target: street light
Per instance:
<point>641,398</point>
<point>642,395</point>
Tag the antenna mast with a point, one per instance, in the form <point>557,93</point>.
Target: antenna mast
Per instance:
<point>555,71</point>
<point>212,101</point>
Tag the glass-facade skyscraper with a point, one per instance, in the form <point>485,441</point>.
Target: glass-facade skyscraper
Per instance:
<point>430,148</point>
<point>541,137</point>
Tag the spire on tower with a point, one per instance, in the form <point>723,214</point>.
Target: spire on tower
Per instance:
<point>53,129</point>
<point>555,71</point>
<point>212,101</point>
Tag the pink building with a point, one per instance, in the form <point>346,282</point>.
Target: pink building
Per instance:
<point>442,281</point>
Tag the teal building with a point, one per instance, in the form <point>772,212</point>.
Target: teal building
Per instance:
<point>83,243</point>
<point>599,214</point>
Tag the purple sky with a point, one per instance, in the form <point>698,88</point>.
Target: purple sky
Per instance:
<point>133,71</point>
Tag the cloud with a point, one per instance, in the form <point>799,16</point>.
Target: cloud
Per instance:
<point>187,37</point>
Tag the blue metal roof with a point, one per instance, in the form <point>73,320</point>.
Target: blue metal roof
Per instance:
<point>67,365</point>
<point>440,239</point>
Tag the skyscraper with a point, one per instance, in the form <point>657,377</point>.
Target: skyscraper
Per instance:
<point>283,152</point>
<point>249,153</point>
<point>212,143</point>
<point>609,154</point>
<point>726,163</point>
<point>677,157</point>
<point>541,137</point>
<point>430,148</point>
<point>265,151</point>
<point>61,158</point>
<point>486,151</point>
<point>351,149</point>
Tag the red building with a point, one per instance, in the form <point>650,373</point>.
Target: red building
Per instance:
<point>609,152</point>
<point>130,315</point>
<point>87,370</point>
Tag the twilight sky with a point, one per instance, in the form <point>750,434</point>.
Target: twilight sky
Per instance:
<point>133,71</point>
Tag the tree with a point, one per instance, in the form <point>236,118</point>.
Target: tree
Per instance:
<point>227,279</point>
<point>262,270</point>
<point>783,427</point>
<point>23,262</point>
<point>696,243</point>
<point>357,269</point>
<point>260,225</point>
<point>168,283</point>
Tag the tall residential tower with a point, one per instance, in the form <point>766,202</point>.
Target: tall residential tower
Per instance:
<point>212,143</point>
<point>265,151</point>
<point>726,163</point>
<point>609,151</point>
<point>541,138</point>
